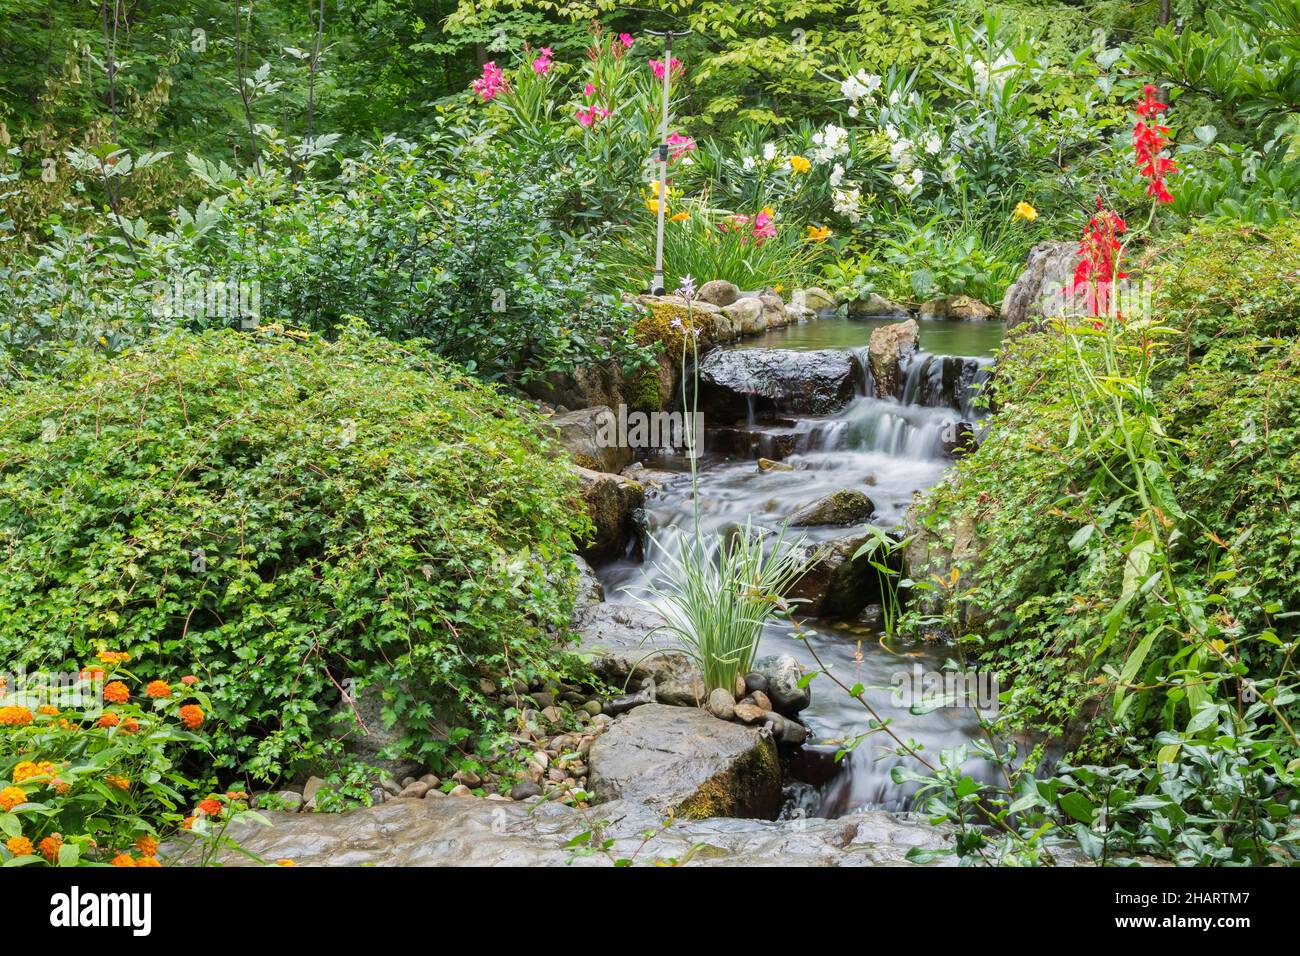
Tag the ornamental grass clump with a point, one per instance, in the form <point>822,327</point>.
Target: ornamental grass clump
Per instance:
<point>714,593</point>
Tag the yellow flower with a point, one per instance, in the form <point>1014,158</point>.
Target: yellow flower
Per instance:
<point>10,797</point>
<point>652,205</point>
<point>800,165</point>
<point>681,216</point>
<point>1025,211</point>
<point>20,846</point>
<point>285,863</point>
<point>818,233</point>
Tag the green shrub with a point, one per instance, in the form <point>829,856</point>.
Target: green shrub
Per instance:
<point>1043,588</point>
<point>279,514</point>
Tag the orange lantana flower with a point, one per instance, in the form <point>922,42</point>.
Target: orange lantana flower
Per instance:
<point>123,859</point>
<point>10,797</point>
<point>20,846</point>
<point>49,847</point>
<point>192,716</point>
<point>158,688</point>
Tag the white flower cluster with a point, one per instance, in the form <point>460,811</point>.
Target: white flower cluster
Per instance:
<point>848,203</point>
<point>830,142</point>
<point>997,71</point>
<point>859,85</point>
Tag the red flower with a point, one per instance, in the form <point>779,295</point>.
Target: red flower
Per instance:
<point>1150,139</point>
<point>189,680</point>
<point>210,807</point>
<point>1098,253</point>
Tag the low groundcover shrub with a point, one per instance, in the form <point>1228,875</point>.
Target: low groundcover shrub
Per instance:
<point>280,515</point>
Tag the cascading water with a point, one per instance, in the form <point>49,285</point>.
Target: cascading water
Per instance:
<point>888,448</point>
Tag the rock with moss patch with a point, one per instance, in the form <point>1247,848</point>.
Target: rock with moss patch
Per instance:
<point>683,761</point>
<point>877,307</point>
<point>590,436</point>
<point>844,507</point>
<point>613,503</point>
<point>957,308</point>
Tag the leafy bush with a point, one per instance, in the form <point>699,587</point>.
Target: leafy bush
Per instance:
<point>279,514</point>
<point>1189,640</point>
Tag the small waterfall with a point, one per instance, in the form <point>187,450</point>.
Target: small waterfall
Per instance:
<point>887,447</point>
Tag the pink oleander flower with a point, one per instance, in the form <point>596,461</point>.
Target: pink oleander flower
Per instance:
<point>627,40</point>
<point>590,115</point>
<point>674,65</point>
<point>589,89</point>
<point>542,64</point>
<point>680,144</point>
<point>764,226</point>
<point>492,82</point>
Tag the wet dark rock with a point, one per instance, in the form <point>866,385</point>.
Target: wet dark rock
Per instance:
<point>739,442</point>
<point>525,789</point>
<point>622,704</point>
<point>754,681</point>
<point>682,760</point>
<point>783,675</point>
<point>843,507</point>
<point>836,583</point>
<point>612,502</point>
<point>774,382</point>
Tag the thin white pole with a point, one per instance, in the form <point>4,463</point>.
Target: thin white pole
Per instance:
<point>657,287</point>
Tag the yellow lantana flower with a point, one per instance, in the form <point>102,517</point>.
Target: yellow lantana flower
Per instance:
<point>1025,211</point>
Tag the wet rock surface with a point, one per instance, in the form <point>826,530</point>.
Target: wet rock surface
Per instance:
<point>684,761</point>
<point>468,832</point>
<point>612,502</point>
<point>844,507</point>
<point>774,382</point>
<point>889,352</point>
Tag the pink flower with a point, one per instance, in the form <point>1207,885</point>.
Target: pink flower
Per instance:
<point>492,82</point>
<point>674,65</point>
<point>627,40</point>
<point>681,144</point>
<point>542,65</point>
<point>589,89</point>
<point>764,227</point>
<point>589,115</point>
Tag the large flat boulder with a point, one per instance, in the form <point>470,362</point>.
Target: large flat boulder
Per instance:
<point>687,763</point>
<point>774,382</point>
<point>466,831</point>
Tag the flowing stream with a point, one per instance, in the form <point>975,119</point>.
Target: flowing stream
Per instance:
<point>888,448</point>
